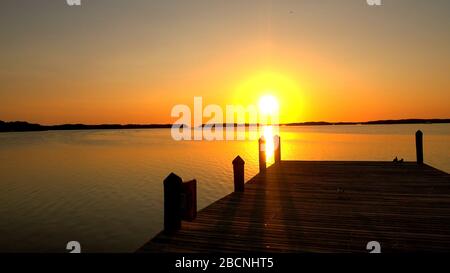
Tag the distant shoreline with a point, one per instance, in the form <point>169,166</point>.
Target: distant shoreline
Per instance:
<point>23,126</point>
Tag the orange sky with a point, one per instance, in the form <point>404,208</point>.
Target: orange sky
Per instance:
<point>132,61</point>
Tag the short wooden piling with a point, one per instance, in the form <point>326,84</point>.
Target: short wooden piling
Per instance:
<point>277,149</point>
<point>238,170</point>
<point>189,200</point>
<point>262,154</point>
<point>172,203</point>
<point>419,147</point>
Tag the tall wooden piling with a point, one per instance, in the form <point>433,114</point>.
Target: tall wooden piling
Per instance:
<point>172,203</point>
<point>277,149</point>
<point>262,154</point>
<point>419,147</point>
<point>238,171</point>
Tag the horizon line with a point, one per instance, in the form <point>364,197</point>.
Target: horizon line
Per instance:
<point>14,126</point>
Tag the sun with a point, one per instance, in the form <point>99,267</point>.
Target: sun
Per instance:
<point>280,87</point>
<point>268,105</point>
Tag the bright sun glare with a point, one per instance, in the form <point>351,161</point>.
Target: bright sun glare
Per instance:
<point>268,105</point>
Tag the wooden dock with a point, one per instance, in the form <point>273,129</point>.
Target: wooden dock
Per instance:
<point>323,206</point>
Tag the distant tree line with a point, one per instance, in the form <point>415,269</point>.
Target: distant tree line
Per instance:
<point>23,126</point>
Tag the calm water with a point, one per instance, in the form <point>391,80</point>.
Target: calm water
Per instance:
<point>104,188</point>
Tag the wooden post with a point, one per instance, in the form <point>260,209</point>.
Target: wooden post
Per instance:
<point>189,200</point>
<point>262,154</point>
<point>419,147</point>
<point>277,149</point>
<point>238,170</point>
<point>172,203</point>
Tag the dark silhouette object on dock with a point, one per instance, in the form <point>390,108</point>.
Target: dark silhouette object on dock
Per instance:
<point>172,203</point>
<point>180,202</point>
<point>277,149</point>
<point>419,147</point>
<point>396,160</point>
<point>238,173</point>
<point>262,154</point>
<point>189,200</point>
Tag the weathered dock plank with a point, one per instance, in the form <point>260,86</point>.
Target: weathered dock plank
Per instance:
<point>324,206</point>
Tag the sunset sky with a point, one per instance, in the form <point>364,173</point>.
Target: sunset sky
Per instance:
<point>115,61</point>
